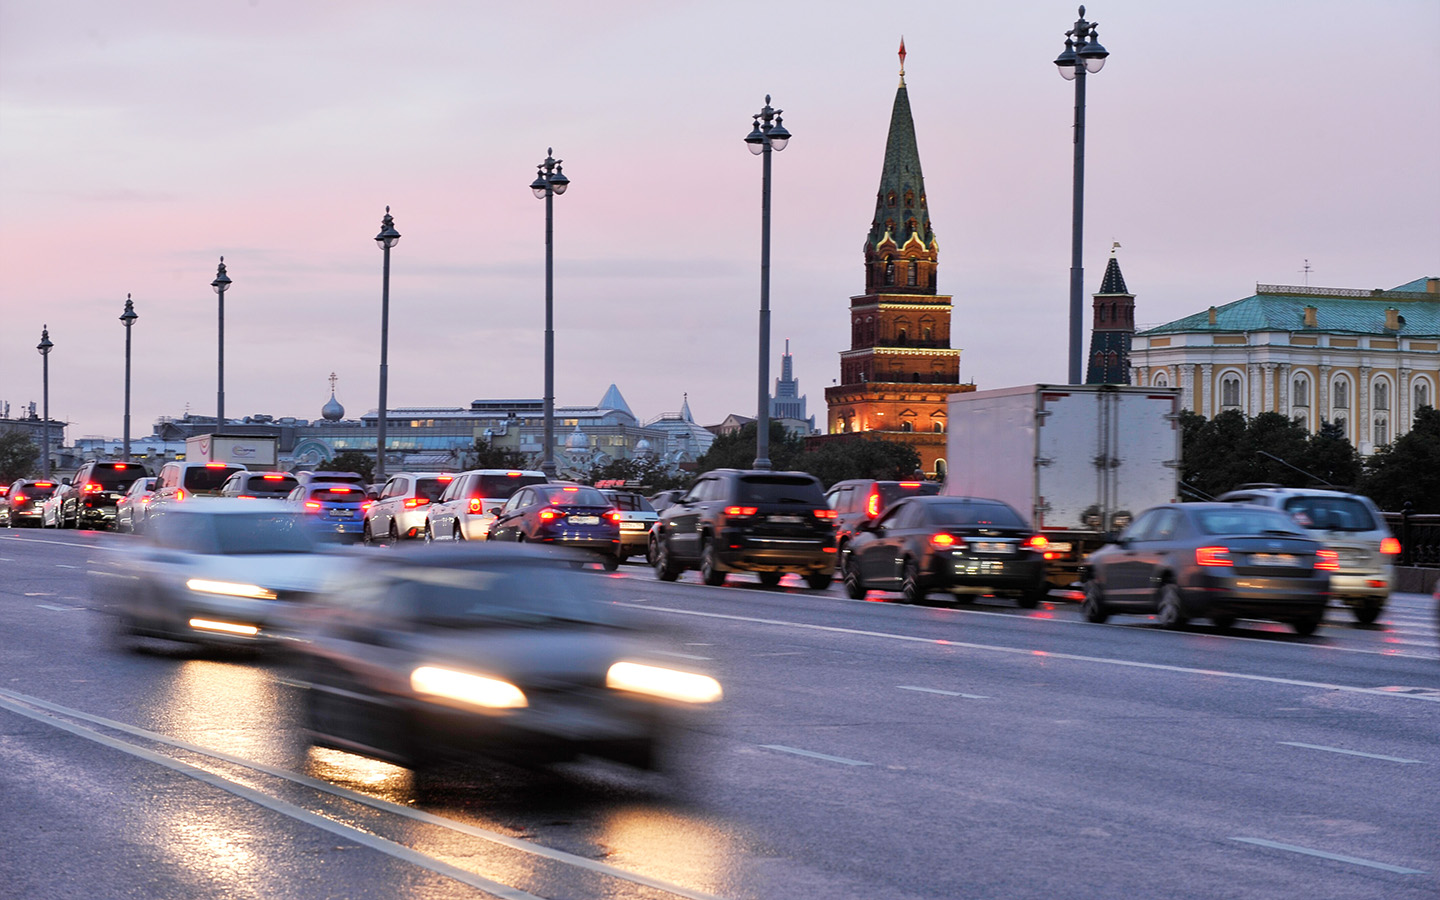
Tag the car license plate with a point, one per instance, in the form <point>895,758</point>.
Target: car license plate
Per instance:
<point>585,520</point>
<point>342,514</point>
<point>993,547</point>
<point>1061,546</point>
<point>786,520</point>
<point>1274,559</point>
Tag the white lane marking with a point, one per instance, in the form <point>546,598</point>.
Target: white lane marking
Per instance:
<point>1353,860</point>
<point>683,655</point>
<point>925,690</point>
<point>63,566</point>
<point>1396,759</point>
<point>813,755</point>
<point>1047,654</point>
<point>58,608</point>
<point>579,862</point>
<point>275,804</point>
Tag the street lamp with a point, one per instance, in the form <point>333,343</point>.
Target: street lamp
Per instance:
<point>127,318</point>
<point>387,238</point>
<point>549,180</point>
<point>769,133</point>
<point>44,348</point>
<point>221,284</point>
<point>1083,54</point>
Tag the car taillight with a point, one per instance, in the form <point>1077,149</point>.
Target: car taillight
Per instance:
<point>1213,556</point>
<point>18,498</point>
<point>366,505</point>
<point>872,505</point>
<point>613,516</point>
<point>273,477</point>
<point>1038,542</point>
<point>413,502</point>
<point>120,467</point>
<point>214,465</point>
<point>475,504</point>
<point>1327,560</point>
<point>945,541</point>
<point>313,504</point>
<point>339,490</point>
<point>741,511</point>
<point>179,495</point>
<point>549,514</point>
<point>824,513</point>
<point>246,497</point>
<point>90,488</point>
<point>1390,546</point>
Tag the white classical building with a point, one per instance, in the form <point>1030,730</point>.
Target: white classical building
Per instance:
<point>1364,359</point>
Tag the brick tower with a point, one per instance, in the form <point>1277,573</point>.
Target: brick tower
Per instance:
<point>1113,326</point>
<point>900,369</point>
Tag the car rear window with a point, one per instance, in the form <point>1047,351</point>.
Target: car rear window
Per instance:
<point>337,493</point>
<point>1246,520</point>
<point>574,496</point>
<point>629,502</point>
<point>780,489</point>
<point>969,514</point>
<point>1331,513</point>
<point>431,488</point>
<point>271,483</point>
<point>208,478</point>
<point>890,491</point>
<point>501,487</point>
<point>116,476</point>
<point>38,490</point>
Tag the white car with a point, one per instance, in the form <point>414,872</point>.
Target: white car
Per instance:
<point>467,509</point>
<point>130,508</point>
<point>399,512</point>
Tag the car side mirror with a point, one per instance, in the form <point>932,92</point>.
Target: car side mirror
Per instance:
<point>1122,541</point>
<point>494,510</point>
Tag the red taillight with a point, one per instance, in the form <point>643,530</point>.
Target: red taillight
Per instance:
<point>1327,560</point>
<point>945,541</point>
<point>18,498</point>
<point>44,484</point>
<point>339,490</point>
<point>246,497</point>
<point>313,504</point>
<point>273,477</point>
<point>1038,542</point>
<point>910,484</point>
<point>570,490</point>
<point>90,487</point>
<point>120,467</point>
<point>1213,556</point>
<point>872,505</point>
<point>366,505</point>
<point>1390,546</point>
<point>445,479</point>
<point>613,516</point>
<point>741,510</point>
<point>180,495</point>
<point>549,514</point>
<point>215,465</point>
<point>413,502</point>
<point>475,504</point>
<point>824,513</point>
<point>512,474</point>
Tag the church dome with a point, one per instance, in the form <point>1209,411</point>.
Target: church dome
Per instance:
<point>643,448</point>
<point>332,411</point>
<point>577,440</point>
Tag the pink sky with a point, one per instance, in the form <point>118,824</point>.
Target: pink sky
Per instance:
<point>1227,143</point>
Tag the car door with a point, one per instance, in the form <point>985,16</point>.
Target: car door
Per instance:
<point>509,524</point>
<point>1114,565</point>
<point>1152,554</point>
<point>882,556</point>
<point>683,519</point>
<point>442,514</point>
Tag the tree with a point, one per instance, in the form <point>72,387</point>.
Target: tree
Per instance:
<point>354,461</point>
<point>861,458</point>
<point>1408,469</point>
<point>485,455</point>
<point>17,455</point>
<point>1222,453</point>
<point>649,472</point>
<point>737,449</point>
<point>1330,456</point>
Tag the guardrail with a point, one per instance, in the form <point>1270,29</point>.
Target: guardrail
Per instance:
<point>1419,536</point>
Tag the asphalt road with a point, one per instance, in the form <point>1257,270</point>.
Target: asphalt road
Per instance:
<point>864,750</point>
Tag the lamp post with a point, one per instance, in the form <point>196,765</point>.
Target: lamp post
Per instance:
<point>221,284</point>
<point>387,238</point>
<point>769,133</point>
<point>549,180</point>
<point>44,348</point>
<point>127,318</point>
<point>1083,54</point>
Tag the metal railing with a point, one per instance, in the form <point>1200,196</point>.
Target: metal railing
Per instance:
<point>1419,536</point>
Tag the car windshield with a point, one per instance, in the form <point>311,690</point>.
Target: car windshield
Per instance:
<point>208,477</point>
<point>502,595</point>
<point>501,487</point>
<point>236,534</point>
<point>972,514</point>
<point>780,489</point>
<point>1331,513</point>
<point>574,496</point>
<point>1243,520</point>
<point>117,477</point>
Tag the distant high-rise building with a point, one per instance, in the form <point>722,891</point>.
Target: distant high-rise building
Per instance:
<point>788,403</point>
<point>1112,329</point>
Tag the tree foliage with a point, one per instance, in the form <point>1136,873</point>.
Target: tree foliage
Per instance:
<point>1222,453</point>
<point>485,455</point>
<point>18,455</point>
<point>737,449</point>
<point>1408,469</point>
<point>354,461</point>
<point>833,461</point>
<point>651,474</point>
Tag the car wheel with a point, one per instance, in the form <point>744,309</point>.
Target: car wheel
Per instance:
<point>610,562</point>
<point>854,585</point>
<point>429,535</point>
<point>770,579</point>
<point>710,571</point>
<point>1306,626</point>
<point>665,568</point>
<point>366,537</point>
<point>1033,597</point>
<point>1093,606</point>
<point>458,535</point>
<point>912,586</point>
<point>394,535</point>
<point>1171,612</point>
<point>1368,610</point>
<point>819,581</point>
<point>1222,623</point>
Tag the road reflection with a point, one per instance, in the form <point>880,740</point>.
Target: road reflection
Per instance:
<point>235,707</point>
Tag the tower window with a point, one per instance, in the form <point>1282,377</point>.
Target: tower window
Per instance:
<point>1301,395</point>
<point>914,276</point>
<point>1230,391</point>
<point>901,336</point>
<point>890,200</point>
<point>1382,396</point>
<point>1342,393</point>
<point>889,272</point>
<point>909,198</point>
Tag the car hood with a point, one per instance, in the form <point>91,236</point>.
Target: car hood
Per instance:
<point>553,657</point>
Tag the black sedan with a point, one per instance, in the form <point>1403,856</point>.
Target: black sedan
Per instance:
<point>564,515</point>
<point>961,545</point>
<point>434,653</point>
<point>1216,560</point>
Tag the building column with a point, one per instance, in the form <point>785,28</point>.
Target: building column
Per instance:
<point>1322,394</point>
<point>1268,401</point>
<point>1140,374</point>
<point>1402,402</point>
<point>1207,391</point>
<point>1366,430</point>
<point>1187,387</point>
<point>1282,389</point>
<point>1253,389</point>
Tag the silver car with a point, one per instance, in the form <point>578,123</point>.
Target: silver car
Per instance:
<point>636,518</point>
<point>1349,524</point>
<point>399,511</point>
<point>467,509</point>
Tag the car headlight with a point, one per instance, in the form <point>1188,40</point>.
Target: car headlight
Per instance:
<point>668,684</point>
<point>230,589</point>
<point>467,688</point>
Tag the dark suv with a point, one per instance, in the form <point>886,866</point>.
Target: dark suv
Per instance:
<point>865,500</point>
<point>93,492</point>
<point>735,520</point>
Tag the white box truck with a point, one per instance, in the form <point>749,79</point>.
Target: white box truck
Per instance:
<point>254,452</point>
<point>1080,461</point>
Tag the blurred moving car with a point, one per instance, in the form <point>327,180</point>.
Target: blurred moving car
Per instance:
<point>333,511</point>
<point>859,500</point>
<point>960,545</point>
<point>24,501</point>
<point>181,481</point>
<point>661,500</point>
<point>131,505</point>
<point>249,485</point>
<point>1223,561</point>
<point>91,498</point>
<point>744,520</point>
<point>563,515</point>
<point>50,506</point>
<point>351,478</point>
<point>636,517</point>
<point>4,504</point>
<point>469,505</point>
<point>399,509</point>
<point>219,572</point>
<point>504,652</point>
<point>1349,524</point>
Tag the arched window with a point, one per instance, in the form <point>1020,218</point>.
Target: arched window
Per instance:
<point>1381,431</point>
<point>901,336</point>
<point>889,271</point>
<point>939,427</point>
<point>1161,379</point>
<point>1230,391</point>
<point>1342,393</point>
<point>1300,391</point>
<point>909,198</point>
<point>914,277</point>
<point>890,200</point>
<point>907,426</point>
<point>1422,394</point>
<point>1382,394</point>
<point>1302,420</point>
<point>928,334</point>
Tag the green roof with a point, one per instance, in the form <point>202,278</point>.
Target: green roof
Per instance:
<point>1276,308</point>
